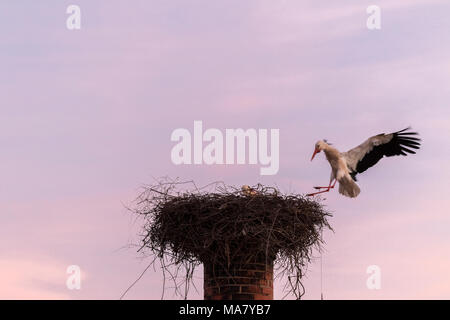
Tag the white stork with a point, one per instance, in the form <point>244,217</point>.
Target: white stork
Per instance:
<point>346,165</point>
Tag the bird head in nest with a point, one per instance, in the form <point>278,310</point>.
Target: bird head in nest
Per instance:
<point>248,191</point>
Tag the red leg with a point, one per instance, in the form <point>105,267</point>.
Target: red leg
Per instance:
<point>329,186</point>
<point>313,194</point>
<point>327,189</point>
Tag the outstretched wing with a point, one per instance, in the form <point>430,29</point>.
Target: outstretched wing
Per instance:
<point>368,153</point>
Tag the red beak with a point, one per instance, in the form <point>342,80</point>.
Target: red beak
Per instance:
<point>314,154</point>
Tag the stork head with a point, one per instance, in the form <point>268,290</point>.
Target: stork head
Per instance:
<point>320,145</point>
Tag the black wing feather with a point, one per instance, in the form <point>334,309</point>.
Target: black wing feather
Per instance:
<point>401,143</point>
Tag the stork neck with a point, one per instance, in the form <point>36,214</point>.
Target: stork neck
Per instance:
<point>330,152</point>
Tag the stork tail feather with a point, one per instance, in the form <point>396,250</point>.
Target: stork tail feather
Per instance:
<point>348,187</point>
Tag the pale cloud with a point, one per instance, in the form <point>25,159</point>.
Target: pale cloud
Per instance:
<point>38,278</point>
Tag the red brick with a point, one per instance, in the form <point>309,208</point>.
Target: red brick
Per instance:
<point>251,289</point>
<point>231,289</point>
<point>251,281</point>
<point>267,291</point>
<point>243,296</point>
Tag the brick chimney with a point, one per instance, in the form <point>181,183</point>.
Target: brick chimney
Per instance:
<point>249,281</point>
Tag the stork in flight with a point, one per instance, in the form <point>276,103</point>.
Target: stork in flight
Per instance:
<point>346,165</point>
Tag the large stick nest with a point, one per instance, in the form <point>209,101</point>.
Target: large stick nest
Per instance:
<point>229,226</point>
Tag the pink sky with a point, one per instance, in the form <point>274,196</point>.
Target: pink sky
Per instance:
<point>86,118</point>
